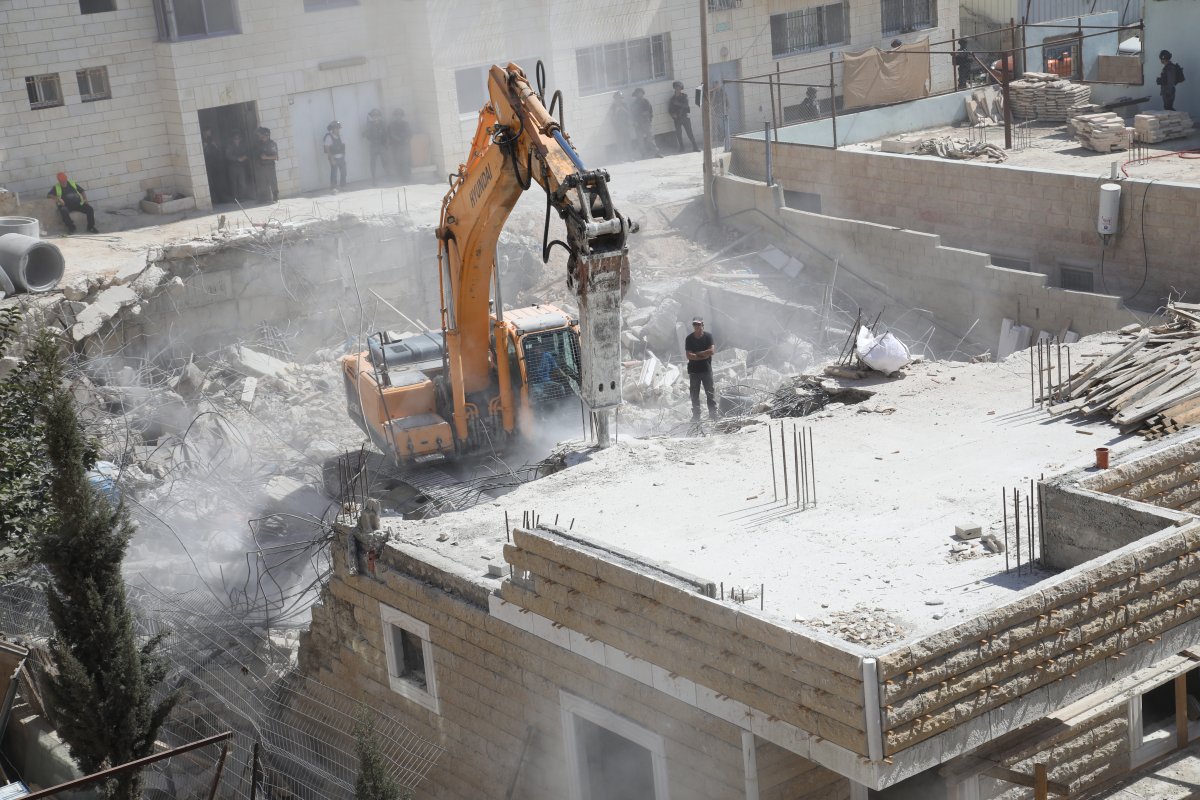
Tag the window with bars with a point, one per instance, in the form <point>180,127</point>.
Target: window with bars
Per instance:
<point>195,19</point>
<point>1076,279</point>
<point>93,84</point>
<point>903,16</point>
<point>723,5</point>
<point>321,5</point>
<point>96,6</point>
<point>44,91</point>
<point>614,66</point>
<point>809,29</point>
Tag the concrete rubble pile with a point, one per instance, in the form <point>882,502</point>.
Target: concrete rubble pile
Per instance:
<point>1039,95</point>
<point>1150,386</point>
<point>1158,126</point>
<point>1103,132</point>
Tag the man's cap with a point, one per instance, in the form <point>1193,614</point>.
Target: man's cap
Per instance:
<point>375,112</point>
<point>617,94</point>
<point>62,176</point>
<point>267,131</point>
<point>677,85</point>
<point>697,320</point>
<point>638,92</point>
<point>810,91</point>
<point>334,124</point>
<point>1165,54</point>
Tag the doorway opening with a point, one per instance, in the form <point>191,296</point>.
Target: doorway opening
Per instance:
<point>230,139</point>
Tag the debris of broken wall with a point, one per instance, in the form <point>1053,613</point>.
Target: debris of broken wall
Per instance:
<point>957,291</point>
<point>499,687</point>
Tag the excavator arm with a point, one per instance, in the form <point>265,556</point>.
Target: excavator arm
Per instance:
<point>518,143</point>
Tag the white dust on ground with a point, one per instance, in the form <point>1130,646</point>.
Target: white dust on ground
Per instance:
<point>895,474</point>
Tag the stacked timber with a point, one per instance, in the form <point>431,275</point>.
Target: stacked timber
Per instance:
<point>1150,386</point>
<point>1158,126</point>
<point>1101,132</point>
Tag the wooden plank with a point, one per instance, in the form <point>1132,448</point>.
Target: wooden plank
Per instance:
<point>1116,357</point>
<point>1041,782</point>
<point>1149,408</point>
<point>1020,779</point>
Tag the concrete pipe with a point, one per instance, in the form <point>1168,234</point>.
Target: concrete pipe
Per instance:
<point>31,264</point>
<point>26,226</point>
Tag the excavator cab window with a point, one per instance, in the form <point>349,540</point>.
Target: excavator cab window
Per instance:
<point>552,365</point>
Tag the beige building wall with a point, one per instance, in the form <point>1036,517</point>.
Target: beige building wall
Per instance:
<point>112,147</point>
<point>504,697</point>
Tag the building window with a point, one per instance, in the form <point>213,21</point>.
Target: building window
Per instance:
<point>1075,279</point>
<point>93,84</point>
<point>723,5</point>
<point>321,5</point>
<point>614,66</point>
<point>195,19</point>
<point>471,83</point>
<point>96,6</point>
<point>1012,262</point>
<point>809,29</point>
<point>1154,724</point>
<point>902,16</point>
<point>44,91</point>
<point>610,757</point>
<point>409,657</point>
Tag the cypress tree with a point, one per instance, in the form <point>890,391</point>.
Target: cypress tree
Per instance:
<point>102,694</point>
<point>374,782</point>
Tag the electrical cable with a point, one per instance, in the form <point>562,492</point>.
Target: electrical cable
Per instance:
<point>1145,247</point>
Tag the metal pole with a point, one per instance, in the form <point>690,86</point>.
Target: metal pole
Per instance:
<point>774,482</point>
<point>709,211</point>
<point>1032,383</point>
<point>1004,509</point>
<point>812,467</point>
<point>767,147</point>
<point>1041,374</point>
<point>1007,73</point>
<point>796,462</point>
<point>216,784</point>
<point>777,119</point>
<point>783,450</point>
<point>832,102</point>
<point>137,764</point>
<point>1017,519</point>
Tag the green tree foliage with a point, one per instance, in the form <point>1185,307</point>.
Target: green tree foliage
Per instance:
<point>102,692</point>
<point>374,781</point>
<point>24,474</point>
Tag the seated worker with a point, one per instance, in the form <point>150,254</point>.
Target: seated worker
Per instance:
<point>547,379</point>
<point>69,196</point>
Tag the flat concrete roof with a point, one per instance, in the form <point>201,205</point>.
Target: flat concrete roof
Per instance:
<point>1051,146</point>
<point>894,475</point>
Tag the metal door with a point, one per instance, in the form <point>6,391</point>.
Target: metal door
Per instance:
<point>725,71</point>
<point>311,114</point>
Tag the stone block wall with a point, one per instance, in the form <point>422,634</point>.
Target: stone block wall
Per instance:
<point>794,678</point>
<point>1046,217</point>
<point>499,689</point>
<point>1081,756</point>
<point>1102,620</point>
<point>958,291</point>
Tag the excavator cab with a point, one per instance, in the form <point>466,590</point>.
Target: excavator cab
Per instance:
<point>552,367</point>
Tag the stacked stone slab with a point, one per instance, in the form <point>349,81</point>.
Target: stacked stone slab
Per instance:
<point>1102,132</point>
<point>1158,126</point>
<point>1040,96</point>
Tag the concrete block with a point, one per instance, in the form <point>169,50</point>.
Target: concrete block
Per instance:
<point>968,531</point>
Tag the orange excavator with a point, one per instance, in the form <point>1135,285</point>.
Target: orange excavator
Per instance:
<point>490,374</point>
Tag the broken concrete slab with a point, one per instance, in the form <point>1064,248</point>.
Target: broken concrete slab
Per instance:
<point>106,306</point>
<point>259,365</point>
<point>661,332</point>
<point>149,280</point>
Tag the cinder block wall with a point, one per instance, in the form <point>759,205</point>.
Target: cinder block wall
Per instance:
<point>497,683</point>
<point>1048,217</point>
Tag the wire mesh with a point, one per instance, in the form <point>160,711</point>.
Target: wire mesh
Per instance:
<point>232,677</point>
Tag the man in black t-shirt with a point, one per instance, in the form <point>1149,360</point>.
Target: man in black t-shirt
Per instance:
<point>699,348</point>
